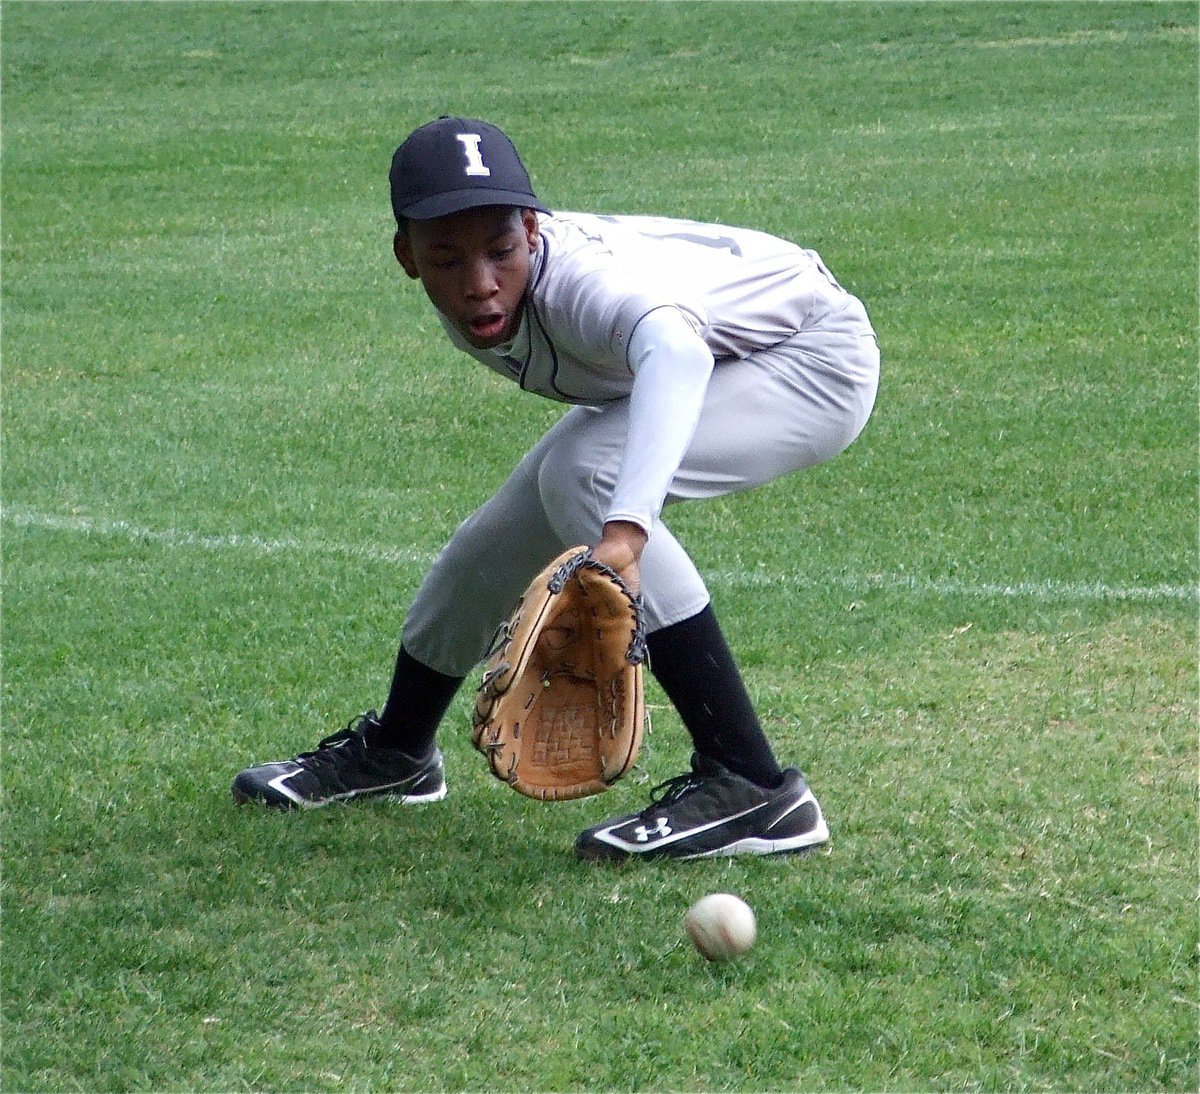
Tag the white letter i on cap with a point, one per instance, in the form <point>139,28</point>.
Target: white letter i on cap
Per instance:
<point>470,143</point>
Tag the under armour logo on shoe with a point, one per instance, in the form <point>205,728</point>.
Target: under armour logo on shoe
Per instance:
<point>661,828</point>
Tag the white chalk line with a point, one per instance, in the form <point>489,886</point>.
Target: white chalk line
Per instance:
<point>178,538</point>
<point>1034,590</point>
<point>175,538</point>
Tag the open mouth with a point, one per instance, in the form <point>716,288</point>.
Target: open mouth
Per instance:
<point>487,328</point>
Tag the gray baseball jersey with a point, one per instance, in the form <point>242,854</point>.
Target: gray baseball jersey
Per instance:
<point>595,278</point>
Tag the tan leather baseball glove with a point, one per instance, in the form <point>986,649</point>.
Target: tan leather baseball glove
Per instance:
<point>560,711</point>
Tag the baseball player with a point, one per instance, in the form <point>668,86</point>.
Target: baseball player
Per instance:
<point>701,360</point>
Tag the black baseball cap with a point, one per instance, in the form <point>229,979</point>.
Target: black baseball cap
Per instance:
<point>453,164</point>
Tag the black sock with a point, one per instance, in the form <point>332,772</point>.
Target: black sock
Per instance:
<point>696,669</point>
<point>416,704</point>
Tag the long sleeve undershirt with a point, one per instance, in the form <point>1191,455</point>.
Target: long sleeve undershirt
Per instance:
<point>671,366</point>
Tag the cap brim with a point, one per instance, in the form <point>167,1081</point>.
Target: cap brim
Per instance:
<point>441,205</point>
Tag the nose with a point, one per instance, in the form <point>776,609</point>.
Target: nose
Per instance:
<point>480,280</point>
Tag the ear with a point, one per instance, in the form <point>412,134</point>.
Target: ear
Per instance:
<point>529,221</point>
<point>402,249</point>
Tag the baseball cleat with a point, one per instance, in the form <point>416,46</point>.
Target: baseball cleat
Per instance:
<point>711,812</point>
<point>340,768</point>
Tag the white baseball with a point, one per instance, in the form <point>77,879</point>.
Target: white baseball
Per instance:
<point>721,926</point>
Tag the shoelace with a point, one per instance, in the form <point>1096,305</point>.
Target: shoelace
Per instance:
<point>669,792</point>
<point>332,750</point>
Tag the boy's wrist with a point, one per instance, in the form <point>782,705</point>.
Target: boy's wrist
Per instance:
<point>620,548</point>
<point>626,533</point>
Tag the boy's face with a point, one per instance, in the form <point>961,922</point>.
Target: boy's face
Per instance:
<point>474,266</point>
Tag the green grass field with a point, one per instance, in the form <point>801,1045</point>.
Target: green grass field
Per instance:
<point>233,438</point>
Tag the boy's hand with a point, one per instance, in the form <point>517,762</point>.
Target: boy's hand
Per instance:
<point>620,548</point>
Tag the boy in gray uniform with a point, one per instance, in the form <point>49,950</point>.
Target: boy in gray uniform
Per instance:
<point>702,360</point>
